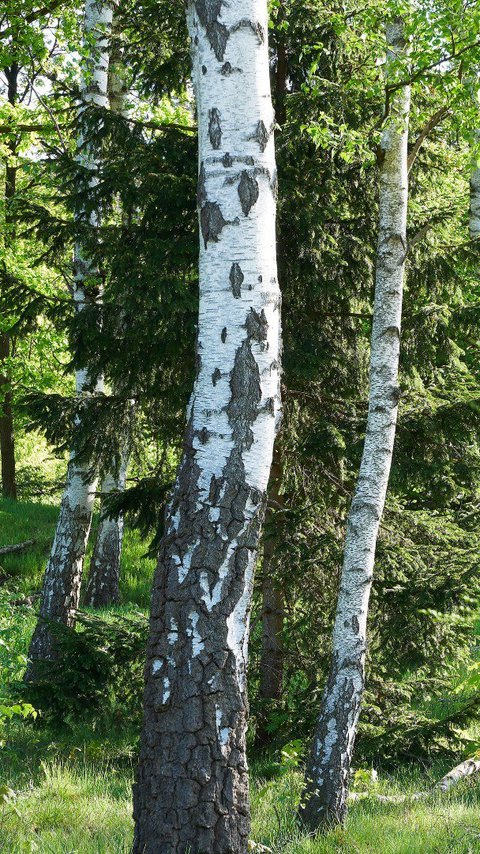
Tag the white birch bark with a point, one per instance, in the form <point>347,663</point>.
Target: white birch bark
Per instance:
<point>474,222</point>
<point>62,580</point>
<point>195,797</point>
<point>328,770</point>
<point>104,575</point>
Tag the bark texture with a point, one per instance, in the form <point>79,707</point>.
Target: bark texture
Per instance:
<point>475,203</point>
<point>63,575</point>
<point>271,662</point>
<point>191,791</point>
<point>7,435</point>
<point>104,578</point>
<point>328,770</point>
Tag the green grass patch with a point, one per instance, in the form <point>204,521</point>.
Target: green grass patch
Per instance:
<point>72,784</point>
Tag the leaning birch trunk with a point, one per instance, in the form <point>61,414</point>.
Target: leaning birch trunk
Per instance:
<point>328,770</point>
<point>62,580</point>
<point>104,575</point>
<point>191,791</point>
<point>104,578</point>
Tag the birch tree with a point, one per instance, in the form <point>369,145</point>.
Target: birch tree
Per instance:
<point>328,769</point>
<point>7,436</point>
<point>273,609</point>
<point>62,580</point>
<point>474,221</point>
<point>104,576</point>
<point>191,791</point>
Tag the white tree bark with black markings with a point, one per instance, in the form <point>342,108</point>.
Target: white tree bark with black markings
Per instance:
<point>328,770</point>
<point>474,222</point>
<point>191,791</point>
<point>104,575</point>
<point>62,580</point>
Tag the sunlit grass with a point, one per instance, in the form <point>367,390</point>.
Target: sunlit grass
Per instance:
<point>77,805</point>
<point>73,787</point>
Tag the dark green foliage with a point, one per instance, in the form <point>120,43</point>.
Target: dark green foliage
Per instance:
<point>101,677</point>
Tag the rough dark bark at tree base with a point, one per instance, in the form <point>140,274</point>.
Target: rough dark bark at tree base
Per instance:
<point>271,661</point>
<point>200,751</point>
<point>61,586</point>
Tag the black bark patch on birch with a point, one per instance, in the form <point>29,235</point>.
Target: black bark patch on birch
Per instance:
<point>228,69</point>
<point>224,334</point>
<point>257,325</point>
<point>215,128</point>
<point>216,376</point>
<point>255,26</point>
<point>211,222</point>
<point>204,69</point>
<point>261,135</point>
<point>227,160</point>
<point>201,188</point>
<point>218,34</point>
<point>246,395</point>
<point>236,280</point>
<point>248,192</point>
<point>203,435</point>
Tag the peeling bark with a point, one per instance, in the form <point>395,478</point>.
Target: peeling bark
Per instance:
<point>63,575</point>
<point>191,791</point>
<point>328,769</point>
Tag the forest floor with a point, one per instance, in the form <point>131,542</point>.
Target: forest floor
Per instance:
<point>71,785</point>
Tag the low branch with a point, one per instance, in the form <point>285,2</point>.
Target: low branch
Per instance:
<point>431,65</point>
<point>424,133</point>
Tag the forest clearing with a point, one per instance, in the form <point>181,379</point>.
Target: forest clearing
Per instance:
<point>239,426</point>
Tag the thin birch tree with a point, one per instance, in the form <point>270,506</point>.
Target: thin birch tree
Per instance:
<point>7,434</point>
<point>63,575</point>
<point>104,575</point>
<point>328,769</point>
<point>191,791</point>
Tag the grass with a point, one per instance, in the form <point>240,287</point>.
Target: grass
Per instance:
<point>23,572</point>
<point>72,787</point>
<point>75,805</point>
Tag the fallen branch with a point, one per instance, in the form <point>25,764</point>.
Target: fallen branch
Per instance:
<point>18,547</point>
<point>456,775</point>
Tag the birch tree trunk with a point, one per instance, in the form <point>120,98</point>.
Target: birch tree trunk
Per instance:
<point>328,770</point>
<point>7,435</point>
<point>191,791</point>
<point>63,575</point>
<point>474,222</point>
<point>271,661</point>
<point>104,576</point>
